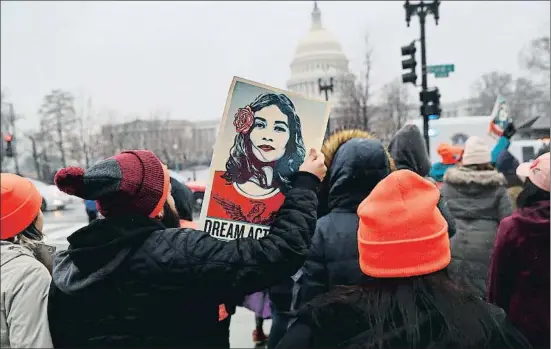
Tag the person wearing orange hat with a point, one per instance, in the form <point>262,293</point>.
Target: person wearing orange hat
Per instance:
<point>25,280</point>
<point>519,269</point>
<point>450,157</point>
<point>137,279</point>
<point>407,299</point>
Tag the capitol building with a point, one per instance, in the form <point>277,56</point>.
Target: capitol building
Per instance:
<point>319,56</point>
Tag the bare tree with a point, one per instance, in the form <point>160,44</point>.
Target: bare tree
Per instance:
<point>486,90</point>
<point>58,117</point>
<point>356,98</point>
<point>35,156</point>
<point>393,111</point>
<point>536,57</point>
<point>521,94</point>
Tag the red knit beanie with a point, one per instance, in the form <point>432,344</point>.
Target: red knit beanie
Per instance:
<point>401,232</point>
<point>133,181</point>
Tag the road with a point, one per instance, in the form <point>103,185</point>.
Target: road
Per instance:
<point>60,224</point>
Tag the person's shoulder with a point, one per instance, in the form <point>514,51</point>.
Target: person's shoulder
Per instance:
<point>172,237</point>
<point>163,247</point>
<point>25,268</point>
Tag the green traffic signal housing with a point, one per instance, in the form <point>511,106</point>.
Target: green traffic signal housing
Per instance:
<point>409,63</point>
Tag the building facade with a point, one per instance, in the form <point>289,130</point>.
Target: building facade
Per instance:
<point>319,55</point>
<point>178,143</point>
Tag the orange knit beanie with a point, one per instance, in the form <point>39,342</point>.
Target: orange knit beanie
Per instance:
<point>401,232</point>
<point>450,154</point>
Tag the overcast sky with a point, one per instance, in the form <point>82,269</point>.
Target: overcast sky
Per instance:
<point>180,57</point>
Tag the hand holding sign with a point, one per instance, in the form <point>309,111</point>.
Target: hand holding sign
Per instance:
<point>315,164</point>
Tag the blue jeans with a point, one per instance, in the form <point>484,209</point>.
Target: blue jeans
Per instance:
<point>279,326</point>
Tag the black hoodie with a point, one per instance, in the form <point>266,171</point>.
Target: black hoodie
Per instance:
<point>408,150</point>
<point>357,167</point>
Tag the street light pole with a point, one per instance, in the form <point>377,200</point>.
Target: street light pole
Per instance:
<point>326,88</point>
<point>14,140</point>
<point>422,10</point>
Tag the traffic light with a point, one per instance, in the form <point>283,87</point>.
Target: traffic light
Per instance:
<point>409,63</point>
<point>430,100</point>
<point>9,148</point>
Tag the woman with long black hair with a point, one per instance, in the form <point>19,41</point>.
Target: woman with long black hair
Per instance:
<point>409,300</point>
<point>519,270</point>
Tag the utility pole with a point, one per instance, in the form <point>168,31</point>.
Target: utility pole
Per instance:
<point>326,88</point>
<point>422,9</point>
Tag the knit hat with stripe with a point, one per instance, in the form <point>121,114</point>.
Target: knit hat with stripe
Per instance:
<point>131,182</point>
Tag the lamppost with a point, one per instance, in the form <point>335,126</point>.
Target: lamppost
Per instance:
<point>326,88</point>
<point>422,10</point>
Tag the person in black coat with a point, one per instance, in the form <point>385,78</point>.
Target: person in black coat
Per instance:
<point>405,299</point>
<point>356,163</point>
<point>134,279</point>
<point>409,152</point>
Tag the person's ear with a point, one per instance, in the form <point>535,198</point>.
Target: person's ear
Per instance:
<point>160,215</point>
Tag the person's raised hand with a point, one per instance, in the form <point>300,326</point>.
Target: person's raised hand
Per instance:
<point>315,164</point>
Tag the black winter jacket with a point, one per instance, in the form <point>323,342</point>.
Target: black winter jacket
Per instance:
<point>130,282</point>
<point>357,167</point>
<point>408,151</point>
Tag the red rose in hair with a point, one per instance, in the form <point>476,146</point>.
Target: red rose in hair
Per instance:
<point>243,120</point>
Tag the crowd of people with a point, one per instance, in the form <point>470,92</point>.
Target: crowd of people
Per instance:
<point>373,247</point>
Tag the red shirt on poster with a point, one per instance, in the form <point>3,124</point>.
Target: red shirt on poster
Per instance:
<point>230,204</point>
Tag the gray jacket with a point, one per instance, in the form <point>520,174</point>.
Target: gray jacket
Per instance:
<point>478,200</point>
<point>24,299</point>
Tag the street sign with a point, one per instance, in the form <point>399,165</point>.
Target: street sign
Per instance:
<point>441,70</point>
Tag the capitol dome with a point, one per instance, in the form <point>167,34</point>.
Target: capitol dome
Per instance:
<point>318,56</point>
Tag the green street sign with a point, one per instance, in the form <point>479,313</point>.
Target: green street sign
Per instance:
<point>441,70</point>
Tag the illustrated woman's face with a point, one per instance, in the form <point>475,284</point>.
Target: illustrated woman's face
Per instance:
<point>270,134</point>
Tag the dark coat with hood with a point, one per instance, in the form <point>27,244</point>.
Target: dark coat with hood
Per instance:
<point>519,271</point>
<point>478,200</point>
<point>130,282</point>
<point>357,163</point>
<point>409,152</point>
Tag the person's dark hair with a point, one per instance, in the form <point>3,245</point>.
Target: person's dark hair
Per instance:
<point>183,199</point>
<point>530,195</point>
<point>402,308</point>
<point>170,217</point>
<point>240,167</point>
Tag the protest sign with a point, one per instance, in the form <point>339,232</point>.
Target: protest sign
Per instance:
<point>500,118</point>
<point>263,138</point>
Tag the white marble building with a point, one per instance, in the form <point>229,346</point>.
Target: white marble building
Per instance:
<point>319,56</point>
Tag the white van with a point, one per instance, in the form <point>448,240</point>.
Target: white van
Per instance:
<point>457,130</point>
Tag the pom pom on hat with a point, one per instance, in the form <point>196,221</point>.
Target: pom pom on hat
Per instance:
<point>70,180</point>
